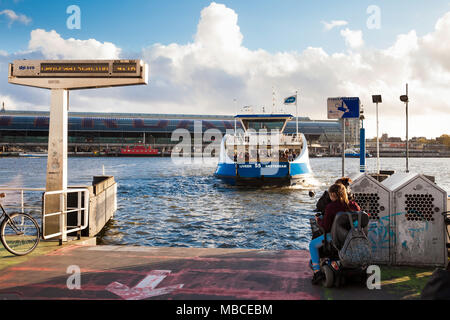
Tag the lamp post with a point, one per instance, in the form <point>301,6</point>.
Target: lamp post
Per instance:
<point>362,144</point>
<point>377,99</point>
<point>405,99</point>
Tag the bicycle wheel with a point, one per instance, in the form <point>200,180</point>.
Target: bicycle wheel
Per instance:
<point>19,233</point>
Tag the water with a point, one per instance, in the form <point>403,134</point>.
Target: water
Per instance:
<point>162,204</point>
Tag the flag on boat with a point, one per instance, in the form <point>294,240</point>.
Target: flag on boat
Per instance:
<point>290,100</point>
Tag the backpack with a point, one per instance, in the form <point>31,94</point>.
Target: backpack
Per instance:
<point>356,249</point>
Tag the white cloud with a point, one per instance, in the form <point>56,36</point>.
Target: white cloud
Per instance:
<point>333,24</point>
<point>207,74</point>
<point>353,38</point>
<point>3,53</point>
<point>14,17</point>
<point>11,103</point>
<point>53,46</point>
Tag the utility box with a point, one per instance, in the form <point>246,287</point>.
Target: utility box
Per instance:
<point>419,236</point>
<point>374,199</point>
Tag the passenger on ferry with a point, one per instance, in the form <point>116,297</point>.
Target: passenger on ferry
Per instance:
<point>339,203</point>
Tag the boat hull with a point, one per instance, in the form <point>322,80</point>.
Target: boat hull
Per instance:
<point>258,174</point>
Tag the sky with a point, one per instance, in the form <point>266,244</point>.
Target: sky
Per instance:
<point>215,57</point>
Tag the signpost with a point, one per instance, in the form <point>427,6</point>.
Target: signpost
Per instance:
<point>377,99</point>
<point>344,108</point>
<point>405,99</point>
<point>61,76</point>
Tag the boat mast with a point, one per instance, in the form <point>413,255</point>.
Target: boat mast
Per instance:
<point>273,99</point>
<point>296,111</point>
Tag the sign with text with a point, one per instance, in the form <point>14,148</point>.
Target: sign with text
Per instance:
<point>343,108</point>
<point>76,68</point>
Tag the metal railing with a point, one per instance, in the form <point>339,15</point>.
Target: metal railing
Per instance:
<point>64,210</point>
<point>22,206</point>
<point>264,139</point>
<point>26,205</point>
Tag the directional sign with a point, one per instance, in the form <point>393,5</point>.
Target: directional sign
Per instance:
<point>343,108</point>
<point>145,288</point>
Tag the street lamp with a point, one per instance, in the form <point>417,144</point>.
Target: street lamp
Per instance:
<point>377,99</point>
<point>405,99</point>
<point>362,143</point>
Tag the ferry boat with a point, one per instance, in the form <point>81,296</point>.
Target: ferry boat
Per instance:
<point>262,154</point>
<point>139,151</point>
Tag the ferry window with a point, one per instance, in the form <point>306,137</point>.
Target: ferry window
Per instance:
<point>266,124</point>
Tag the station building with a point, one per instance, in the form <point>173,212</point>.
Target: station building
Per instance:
<point>88,132</point>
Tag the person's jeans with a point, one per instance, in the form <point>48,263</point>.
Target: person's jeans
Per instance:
<point>314,246</point>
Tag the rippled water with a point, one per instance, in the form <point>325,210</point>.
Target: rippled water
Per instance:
<point>162,204</point>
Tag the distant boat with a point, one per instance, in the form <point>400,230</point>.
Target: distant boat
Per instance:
<point>33,155</point>
<point>354,153</point>
<point>139,151</point>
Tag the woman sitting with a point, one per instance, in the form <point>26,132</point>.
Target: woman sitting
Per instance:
<point>325,198</point>
<point>339,203</point>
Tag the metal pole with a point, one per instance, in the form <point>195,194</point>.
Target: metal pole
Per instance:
<point>235,114</point>
<point>378,144</point>
<point>296,111</point>
<point>362,148</point>
<point>407,140</point>
<point>343,149</point>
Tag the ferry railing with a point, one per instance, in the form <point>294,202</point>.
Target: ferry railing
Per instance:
<point>281,139</point>
<point>82,219</point>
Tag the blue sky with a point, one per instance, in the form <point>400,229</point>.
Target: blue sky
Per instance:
<point>272,25</point>
<point>203,55</point>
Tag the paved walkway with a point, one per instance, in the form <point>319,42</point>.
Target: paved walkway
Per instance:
<point>124,272</point>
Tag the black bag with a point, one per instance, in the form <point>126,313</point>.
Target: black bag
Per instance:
<point>323,202</point>
<point>438,287</point>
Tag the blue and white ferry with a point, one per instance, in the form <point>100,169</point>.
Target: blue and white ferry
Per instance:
<point>262,154</point>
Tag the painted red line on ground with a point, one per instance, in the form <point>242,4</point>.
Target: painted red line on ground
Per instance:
<point>276,273</point>
<point>83,270</point>
<point>283,274</point>
<point>210,291</point>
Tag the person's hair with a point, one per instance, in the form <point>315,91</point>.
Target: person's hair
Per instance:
<point>346,181</point>
<point>341,192</point>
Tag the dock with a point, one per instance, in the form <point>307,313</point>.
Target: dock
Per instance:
<point>158,273</point>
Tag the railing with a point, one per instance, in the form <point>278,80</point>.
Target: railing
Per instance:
<point>22,205</point>
<point>264,139</point>
<point>64,210</point>
<point>30,206</point>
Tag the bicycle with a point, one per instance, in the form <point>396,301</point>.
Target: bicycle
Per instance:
<point>19,232</point>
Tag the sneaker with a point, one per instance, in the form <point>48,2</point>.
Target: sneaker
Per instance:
<point>317,278</point>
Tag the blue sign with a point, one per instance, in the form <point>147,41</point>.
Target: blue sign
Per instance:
<point>343,108</point>
<point>257,170</point>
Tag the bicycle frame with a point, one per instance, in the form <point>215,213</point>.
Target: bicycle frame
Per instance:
<point>3,213</point>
